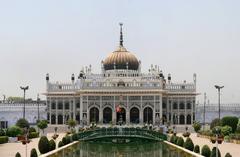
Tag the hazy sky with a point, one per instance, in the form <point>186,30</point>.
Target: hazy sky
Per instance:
<point>181,36</point>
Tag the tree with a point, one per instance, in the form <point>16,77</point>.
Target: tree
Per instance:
<point>196,126</point>
<point>52,145</point>
<point>215,122</point>
<point>230,121</point>
<point>214,152</point>
<point>226,130</point>
<point>196,149</point>
<point>189,144</point>
<point>14,131</point>
<point>33,153</point>
<point>22,123</point>
<point>43,145</point>
<point>71,123</point>
<point>206,151</point>
<point>42,125</point>
<point>180,141</point>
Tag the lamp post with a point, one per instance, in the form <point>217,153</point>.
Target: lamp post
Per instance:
<point>24,93</point>
<point>219,90</point>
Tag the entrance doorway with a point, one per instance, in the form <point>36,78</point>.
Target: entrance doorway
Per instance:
<point>148,115</point>
<point>134,115</point>
<point>121,116</point>
<point>94,115</point>
<point>107,115</point>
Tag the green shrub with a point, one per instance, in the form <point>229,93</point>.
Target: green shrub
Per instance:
<point>173,139</point>
<point>180,141</point>
<point>215,122</point>
<point>43,145</point>
<point>22,123</point>
<point>196,126</point>
<point>226,130</point>
<point>75,137</point>
<point>227,138</point>
<point>52,145</point>
<point>43,124</point>
<point>228,155</point>
<point>18,154</point>
<point>230,121</point>
<point>217,130</point>
<point>189,144</point>
<point>213,154</point>
<point>32,129</point>
<point>3,139</point>
<point>64,140</point>
<point>196,149</point>
<point>2,132</point>
<point>33,135</point>
<point>33,153</point>
<point>206,151</point>
<point>60,144</point>
<point>14,131</point>
<point>68,138</point>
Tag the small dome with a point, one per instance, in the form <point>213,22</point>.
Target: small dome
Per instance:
<point>121,59</point>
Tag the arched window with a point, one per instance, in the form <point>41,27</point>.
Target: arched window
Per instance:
<point>175,106</point>
<point>181,105</point>
<point>189,106</point>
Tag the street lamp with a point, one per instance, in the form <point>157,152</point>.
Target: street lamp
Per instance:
<point>219,89</point>
<point>24,92</point>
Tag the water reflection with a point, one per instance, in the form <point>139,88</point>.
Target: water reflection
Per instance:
<point>88,149</point>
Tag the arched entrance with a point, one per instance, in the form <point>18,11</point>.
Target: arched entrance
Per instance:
<point>164,119</point>
<point>60,119</point>
<point>121,115</point>
<point>189,119</point>
<point>107,115</point>
<point>53,119</point>
<point>182,119</point>
<point>94,115</point>
<point>148,115</point>
<point>134,115</point>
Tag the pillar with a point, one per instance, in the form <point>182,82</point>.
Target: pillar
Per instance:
<point>160,107</point>
<point>101,111</point>
<point>81,108</point>
<point>56,116</point>
<point>63,102</point>
<point>74,109</point>
<point>114,111</point>
<point>50,110</point>
<point>141,112</point>
<point>127,112</point>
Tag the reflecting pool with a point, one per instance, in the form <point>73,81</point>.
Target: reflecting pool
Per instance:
<point>138,149</point>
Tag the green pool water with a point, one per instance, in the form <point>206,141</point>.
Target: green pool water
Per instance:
<point>138,149</point>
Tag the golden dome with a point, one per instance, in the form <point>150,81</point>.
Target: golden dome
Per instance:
<point>121,59</point>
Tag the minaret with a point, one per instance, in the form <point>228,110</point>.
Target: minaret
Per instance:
<point>121,35</point>
<point>47,81</point>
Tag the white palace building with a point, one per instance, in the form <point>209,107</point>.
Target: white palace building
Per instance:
<point>121,94</point>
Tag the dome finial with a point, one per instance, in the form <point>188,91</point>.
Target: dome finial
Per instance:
<point>121,34</point>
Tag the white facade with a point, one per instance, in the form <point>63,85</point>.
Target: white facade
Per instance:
<point>142,97</point>
<point>11,112</point>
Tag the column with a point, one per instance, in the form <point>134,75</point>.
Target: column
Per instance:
<point>74,109</point>
<point>160,107</point>
<point>154,109</point>
<point>56,111</point>
<point>193,104</point>
<point>50,110</point>
<point>63,102</point>
<point>167,109</point>
<point>171,110</point>
<point>141,112</point>
<point>127,112</point>
<point>114,111</point>
<point>185,110</point>
<point>81,108</point>
<point>178,118</point>
<point>100,111</point>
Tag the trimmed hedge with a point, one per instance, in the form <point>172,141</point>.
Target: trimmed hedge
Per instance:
<point>14,131</point>
<point>173,139</point>
<point>52,145</point>
<point>206,151</point>
<point>214,152</point>
<point>60,144</point>
<point>189,144</point>
<point>33,135</point>
<point>180,141</point>
<point>32,129</point>
<point>196,149</point>
<point>196,126</point>
<point>43,145</point>
<point>22,123</point>
<point>228,155</point>
<point>18,154</point>
<point>2,132</point>
<point>230,121</point>
<point>75,137</point>
<point>226,130</point>
<point>33,153</point>
<point>3,139</point>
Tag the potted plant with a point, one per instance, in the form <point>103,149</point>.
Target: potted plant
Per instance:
<point>213,139</point>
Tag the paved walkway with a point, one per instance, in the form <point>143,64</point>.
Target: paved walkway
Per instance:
<point>233,149</point>
<point>10,149</point>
